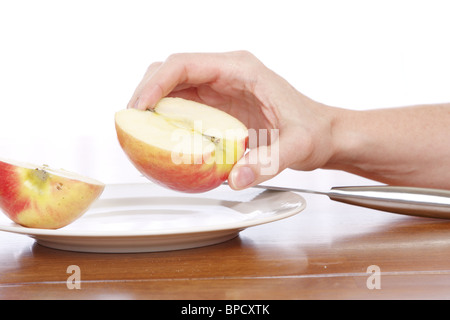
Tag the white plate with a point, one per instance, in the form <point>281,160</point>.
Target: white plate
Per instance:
<point>147,218</point>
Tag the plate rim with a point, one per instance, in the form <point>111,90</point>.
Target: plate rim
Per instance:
<point>241,225</point>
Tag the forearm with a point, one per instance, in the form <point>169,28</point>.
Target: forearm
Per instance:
<point>402,146</point>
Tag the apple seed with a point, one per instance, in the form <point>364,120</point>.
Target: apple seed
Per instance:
<point>212,138</point>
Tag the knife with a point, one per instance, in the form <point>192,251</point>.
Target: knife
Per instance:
<point>421,202</point>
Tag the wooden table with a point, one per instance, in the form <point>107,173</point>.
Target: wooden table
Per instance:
<point>325,252</point>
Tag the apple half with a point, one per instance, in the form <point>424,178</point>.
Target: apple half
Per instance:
<point>181,144</point>
<point>40,197</point>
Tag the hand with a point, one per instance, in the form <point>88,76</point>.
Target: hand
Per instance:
<point>298,129</point>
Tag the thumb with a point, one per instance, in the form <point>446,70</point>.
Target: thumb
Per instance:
<point>258,165</point>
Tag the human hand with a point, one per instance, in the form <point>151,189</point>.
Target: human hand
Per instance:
<point>297,129</point>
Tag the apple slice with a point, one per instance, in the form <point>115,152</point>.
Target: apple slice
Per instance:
<point>183,145</point>
<point>39,197</point>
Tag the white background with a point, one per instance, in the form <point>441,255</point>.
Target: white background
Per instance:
<point>67,66</point>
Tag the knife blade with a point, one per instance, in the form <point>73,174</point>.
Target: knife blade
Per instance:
<point>412,201</point>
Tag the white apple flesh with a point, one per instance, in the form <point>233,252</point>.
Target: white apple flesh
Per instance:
<point>40,197</point>
<point>181,144</point>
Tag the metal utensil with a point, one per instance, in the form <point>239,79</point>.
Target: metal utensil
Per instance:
<point>422,202</point>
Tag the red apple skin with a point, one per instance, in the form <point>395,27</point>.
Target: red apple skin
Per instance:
<point>49,204</point>
<point>157,165</point>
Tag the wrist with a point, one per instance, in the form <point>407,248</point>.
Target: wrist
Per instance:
<point>345,139</point>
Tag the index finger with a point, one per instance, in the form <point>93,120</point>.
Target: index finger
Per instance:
<point>188,69</point>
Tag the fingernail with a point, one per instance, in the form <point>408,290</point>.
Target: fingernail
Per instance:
<point>136,104</point>
<point>151,97</point>
<point>242,178</point>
